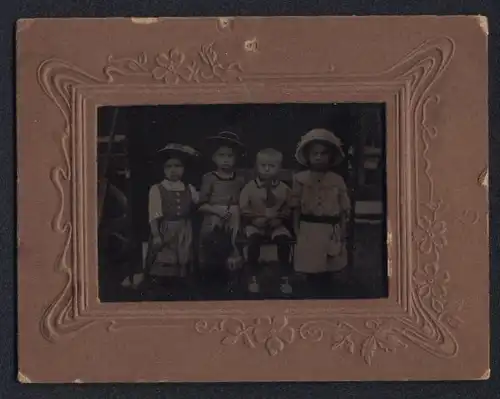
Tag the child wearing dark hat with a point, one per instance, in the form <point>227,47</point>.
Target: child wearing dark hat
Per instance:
<point>321,204</point>
<point>219,197</point>
<point>171,203</point>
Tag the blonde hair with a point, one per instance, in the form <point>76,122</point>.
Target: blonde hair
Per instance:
<point>275,155</point>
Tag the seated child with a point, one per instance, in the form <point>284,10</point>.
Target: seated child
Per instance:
<point>219,194</point>
<point>171,204</point>
<point>321,206</point>
<point>264,206</point>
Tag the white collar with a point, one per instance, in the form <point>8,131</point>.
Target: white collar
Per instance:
<point>173,185</point>
<point>261,183</point>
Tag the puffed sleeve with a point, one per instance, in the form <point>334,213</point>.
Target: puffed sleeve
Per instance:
<point>155,210</point>
<point>194,194</point>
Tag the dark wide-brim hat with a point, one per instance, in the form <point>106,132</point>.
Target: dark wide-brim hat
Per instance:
<point>174,150</point>
<point>319,136</point>
<point>225,138</point>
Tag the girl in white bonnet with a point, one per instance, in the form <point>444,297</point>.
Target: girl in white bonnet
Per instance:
<point>321,206</point>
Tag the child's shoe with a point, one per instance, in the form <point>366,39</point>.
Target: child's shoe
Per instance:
<point>253,285</point>
<point>285,286</point>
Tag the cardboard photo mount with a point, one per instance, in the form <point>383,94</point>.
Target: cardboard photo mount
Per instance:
<point>430,72</point>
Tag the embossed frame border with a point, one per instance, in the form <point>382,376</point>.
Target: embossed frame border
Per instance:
<point>421,321</point>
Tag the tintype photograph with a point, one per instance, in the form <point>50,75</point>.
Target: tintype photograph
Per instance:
<point>242,201</point>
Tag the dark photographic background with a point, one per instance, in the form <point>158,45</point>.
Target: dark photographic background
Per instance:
<point>93,8</point>
<point>129,138</point>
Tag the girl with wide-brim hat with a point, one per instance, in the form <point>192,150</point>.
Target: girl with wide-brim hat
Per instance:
<point>182,152</point>
<point>171,203</point>
<point>322,136</point>
<point>321,202</point>
<point>219,203</point>
<point>225,138</point>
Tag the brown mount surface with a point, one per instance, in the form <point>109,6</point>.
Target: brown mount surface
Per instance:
<point>431,72</point>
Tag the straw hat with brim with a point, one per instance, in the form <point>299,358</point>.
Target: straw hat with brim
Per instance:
<point>225,138</point>
<point>322,136</point>
<point>174,150</point>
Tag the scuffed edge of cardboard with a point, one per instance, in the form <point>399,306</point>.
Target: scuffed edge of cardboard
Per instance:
<point>486,375</point>
<point>145,20</point>
<point>24,24</point>
<point>483,24</point>
<point>483,178</point>
<point>23,379</point>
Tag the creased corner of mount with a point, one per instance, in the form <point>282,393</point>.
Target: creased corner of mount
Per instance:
<point>23,379</point>
<point>145,20</point>
<point>24,24</point>
<point>483,24</point>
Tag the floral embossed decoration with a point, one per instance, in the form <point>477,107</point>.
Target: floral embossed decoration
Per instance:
<point>174,67</point>
<point>168,64</point>
<point>432,281</point>
<point>275,333</point>
<point>435,234</point>
<point>431,312</point>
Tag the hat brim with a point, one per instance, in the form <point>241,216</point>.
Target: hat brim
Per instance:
<point>184,157</point>
<point>302,159</point>
<point>225,141</point>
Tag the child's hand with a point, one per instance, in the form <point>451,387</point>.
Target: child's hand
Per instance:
<point>137,279</point>
<point>226,215</point>
<point>156,241</point>
<point>223,213</point>
<point>271,213</point>
<point>259,222</point>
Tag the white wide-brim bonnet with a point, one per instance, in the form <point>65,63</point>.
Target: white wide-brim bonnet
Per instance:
<point>319,135</point>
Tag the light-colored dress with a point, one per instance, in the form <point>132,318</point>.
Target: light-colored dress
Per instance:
<point>171,203</point>
<point>323,201</point>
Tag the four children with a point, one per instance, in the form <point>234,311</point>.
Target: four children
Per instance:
<point>260,210</point>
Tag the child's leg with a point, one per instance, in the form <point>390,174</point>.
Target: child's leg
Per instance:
<point>253,267</point>
<point>318,284</point>
<point>150,259</point>
<point>206,249</point>
<point>254,243</point>
<point>281,237</point>
<point>342,276</point>
<point>283,247</point>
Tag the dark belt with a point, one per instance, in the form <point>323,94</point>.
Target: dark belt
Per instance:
<point>320,219</point>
